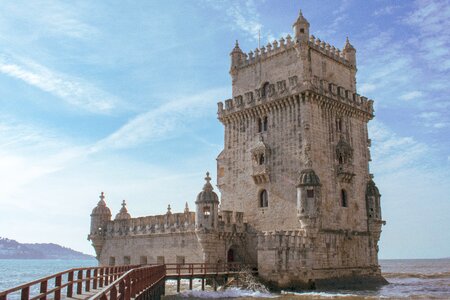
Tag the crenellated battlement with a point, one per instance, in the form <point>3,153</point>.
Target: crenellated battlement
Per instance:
<point>286,44</point>
<point>158,224</point>
<point>282,90</point>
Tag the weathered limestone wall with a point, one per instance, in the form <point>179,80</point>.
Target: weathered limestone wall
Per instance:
<point>273,68</point>
<point>236,167</point>
<point>170,246</point>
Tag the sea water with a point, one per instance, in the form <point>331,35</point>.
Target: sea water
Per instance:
<point>408,279</point>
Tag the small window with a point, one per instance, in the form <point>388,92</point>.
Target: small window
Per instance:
<point>344,200</point>
<point>112,261</point>
<point>160,260</point>
<point>264,124</point>
<point>265,90</point>
<point>143,260</point>
<point>261,159</point>
<point>338,125</point>
<point>181,260</point>
<point>302,30</point>
<point>126,260</point>
<point>310,193</point>
<point>206,211</point>
<point>263,199</point>
<point>341,159</point>
<point>259,125</point>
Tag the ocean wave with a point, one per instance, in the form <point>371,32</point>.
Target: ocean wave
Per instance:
<point>228,293</point>
<point>418,275</point>
<point>319,295</point>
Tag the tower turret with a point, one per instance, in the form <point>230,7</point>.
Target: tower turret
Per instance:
<point>301,28</point>
<point>350,53</point>
<point>100,216</point>
<point>308,198</point>
<point>123,213</point>
<point>207,205</point>
<point>237,57</point>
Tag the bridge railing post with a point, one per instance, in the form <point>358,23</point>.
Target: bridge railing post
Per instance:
<point>43,290</point>
<point>88,280</point>
<point>95,280</point>
<point>80,282</point>
<point>25,293</point>
<point>58,280</point>
<point>69,292</point>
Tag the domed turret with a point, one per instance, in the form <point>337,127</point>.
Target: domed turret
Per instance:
<point>207,205</point>
<point>123,213</point>
<point>350,52</point>
<point>308,198</point>
<point>373,201</point>
<point>237,56</point>
<point>308,178</point>
<point>100,215</point>
<point>301,28</point>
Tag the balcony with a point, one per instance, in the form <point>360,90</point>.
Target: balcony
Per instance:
<point>345,172</point>
<point>260,174</point>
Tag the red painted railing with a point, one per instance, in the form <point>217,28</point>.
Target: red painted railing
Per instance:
<point>204,268</point>
<point>73,281</point>
<point>133,283</point>
<point>120,282</point>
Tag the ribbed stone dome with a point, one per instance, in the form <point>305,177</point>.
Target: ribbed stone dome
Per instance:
<point>372,189</point>
<point>207,195</point>
<point>101,208</point>
<point>123,213</point>
<point>308,178</point>
<point>301,19</point>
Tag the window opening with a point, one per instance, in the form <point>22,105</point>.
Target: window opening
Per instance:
<point>263,199</point>
<point>344,200</point>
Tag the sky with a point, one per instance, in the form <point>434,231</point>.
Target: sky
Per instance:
<point>121,97</point>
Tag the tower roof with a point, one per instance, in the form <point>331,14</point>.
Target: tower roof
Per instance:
<point>207,195</point>
<point>308,178</point>
<point>101,208</point>
<point>301,19</point>
<point>372,189</point>
<point>236,48</point>
<point>348,46</point>
<point>123,213</point>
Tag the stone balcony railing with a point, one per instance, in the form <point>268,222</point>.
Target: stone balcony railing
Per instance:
<point>345,172</point>
<point>260,173</point>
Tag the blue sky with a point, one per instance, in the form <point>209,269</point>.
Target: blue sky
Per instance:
<point>120,97</point>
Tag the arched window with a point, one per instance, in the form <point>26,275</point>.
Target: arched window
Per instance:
<point>206,212</point>
<point>265,90</point>
<point>259,125</point>
<point>263,199</point>
<point>338,125</point>
<point>264,124</point>
<point>344,200</point>
<point>261,159</point>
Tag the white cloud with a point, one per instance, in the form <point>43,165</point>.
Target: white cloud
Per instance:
<point>387,10</point>
<point>74,91</point>
<point>243,14</point>
<point>367,88</point>
<point>411,95</point>
<point>162,121</point>
<point>431,22</point>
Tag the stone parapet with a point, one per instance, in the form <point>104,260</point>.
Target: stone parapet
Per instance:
<point>253,102</point>
<point>177,222</point>
<point>275,48</point>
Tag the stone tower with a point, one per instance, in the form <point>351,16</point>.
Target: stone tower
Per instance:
<point>296,161</point>
<point>100,216</point>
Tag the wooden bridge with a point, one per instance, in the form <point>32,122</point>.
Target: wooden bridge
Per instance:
<point>120,282</point>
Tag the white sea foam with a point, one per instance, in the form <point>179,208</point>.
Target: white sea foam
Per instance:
<point>228,293</point>
<point>320,294</point>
